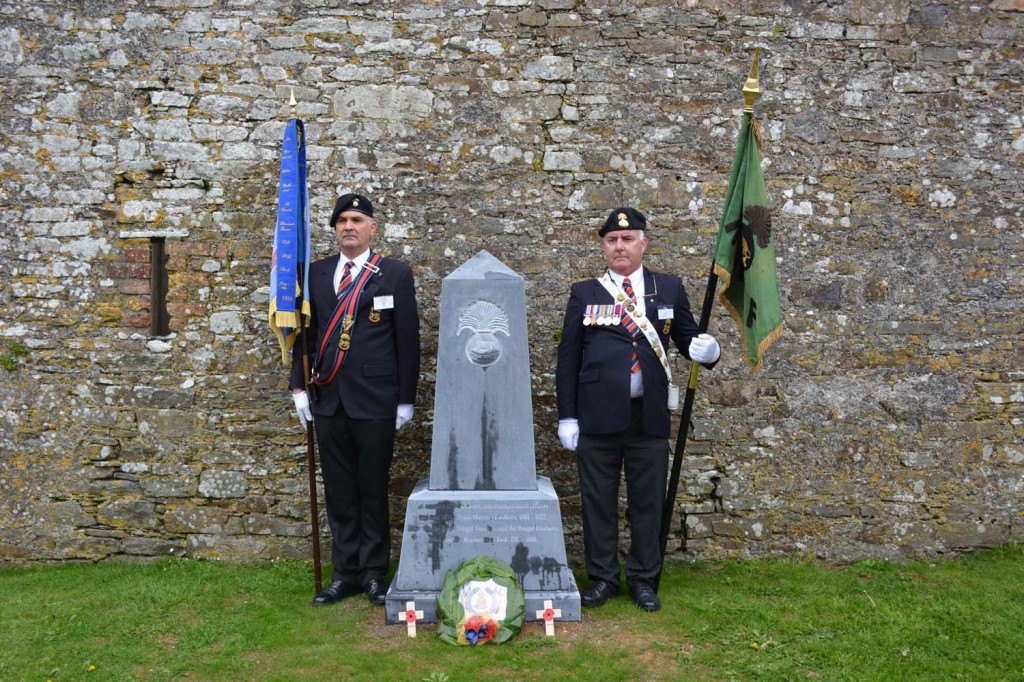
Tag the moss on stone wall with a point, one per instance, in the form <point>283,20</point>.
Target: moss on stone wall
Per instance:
<point>887,421</point>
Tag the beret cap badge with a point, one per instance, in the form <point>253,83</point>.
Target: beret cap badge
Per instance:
<point>351,202</point>
<point>623,218</point>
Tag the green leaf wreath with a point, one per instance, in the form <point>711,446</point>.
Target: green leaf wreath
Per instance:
<point>453,625</point>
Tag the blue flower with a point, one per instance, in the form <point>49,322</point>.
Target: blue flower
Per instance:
<point>474,636</point>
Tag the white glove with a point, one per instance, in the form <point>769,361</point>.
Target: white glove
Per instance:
<point>404,415</point>
<point>301,401</point>
<point>704,348</point>
<point>569,433</point>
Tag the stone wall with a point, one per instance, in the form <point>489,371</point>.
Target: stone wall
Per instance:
<point>888,419</point>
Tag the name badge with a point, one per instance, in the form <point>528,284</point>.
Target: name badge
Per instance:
<point>666,313</point>
<point>384,302</point>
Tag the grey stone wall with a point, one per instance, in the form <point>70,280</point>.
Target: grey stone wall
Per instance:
<point>887,421</point>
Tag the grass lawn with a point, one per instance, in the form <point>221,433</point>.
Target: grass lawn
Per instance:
<point>956,619</point>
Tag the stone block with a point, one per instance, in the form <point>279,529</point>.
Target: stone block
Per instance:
<point>129,514</point>
<point>218,483</point>
<point>550,68</point>
<point>152,547</point>
<point>201,520</point>
<point>967,535</point>
<point>396,103</point>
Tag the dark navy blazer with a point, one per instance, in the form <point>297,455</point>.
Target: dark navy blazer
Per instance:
<point>382,365</point>
<point>593,374</point>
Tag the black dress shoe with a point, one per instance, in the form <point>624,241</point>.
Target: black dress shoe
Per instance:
<point>336,591</point>
<point>376,591</point>
<point>598,593</point>
<point>644,596</point>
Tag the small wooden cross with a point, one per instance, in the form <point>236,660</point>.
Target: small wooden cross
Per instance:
<point>549,614</point>
<point>410,616</point>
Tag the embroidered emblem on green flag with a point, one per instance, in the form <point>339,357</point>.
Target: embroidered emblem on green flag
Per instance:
<point>745,251</point>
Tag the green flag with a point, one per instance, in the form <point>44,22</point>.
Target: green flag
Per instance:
<point>745,251</point>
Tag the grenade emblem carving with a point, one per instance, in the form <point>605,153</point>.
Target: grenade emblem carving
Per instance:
<point>486,320</point>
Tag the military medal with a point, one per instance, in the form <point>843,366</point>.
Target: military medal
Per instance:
<point>374,315</point>
<point>586,316</point>
<point>344,340</point>
<point>602,318</point>
<point>617,315</point>
<point>668,325</point>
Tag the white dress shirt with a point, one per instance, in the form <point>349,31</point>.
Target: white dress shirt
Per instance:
<point>358,260</point>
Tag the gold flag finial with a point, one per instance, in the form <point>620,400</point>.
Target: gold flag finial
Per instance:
<point>752,88</point>
<point>292,102</point>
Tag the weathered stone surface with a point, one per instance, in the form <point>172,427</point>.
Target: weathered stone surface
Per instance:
<point>128,514</point>
<point>483,435</point>
<point>217,483</point>
<point>887,421</point>
<point>208,520</point>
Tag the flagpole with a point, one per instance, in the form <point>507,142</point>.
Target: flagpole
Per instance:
<point>314,511</point>
<point>751,91</point>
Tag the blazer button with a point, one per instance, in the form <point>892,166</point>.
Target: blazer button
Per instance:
<point>634,344</point>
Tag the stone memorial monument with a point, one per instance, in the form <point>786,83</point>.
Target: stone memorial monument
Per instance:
<point>483,495</point>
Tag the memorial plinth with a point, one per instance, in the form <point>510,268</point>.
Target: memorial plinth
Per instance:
<point>483,495</point>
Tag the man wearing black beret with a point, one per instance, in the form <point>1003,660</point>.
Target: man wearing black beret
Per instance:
<point>614,392</point>
<point>364,339</point>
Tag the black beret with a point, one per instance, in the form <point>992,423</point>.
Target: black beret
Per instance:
<point>623,218</point>
<point>351,202</point>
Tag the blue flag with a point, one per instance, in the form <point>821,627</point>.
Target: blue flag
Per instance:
<point>289,263</point>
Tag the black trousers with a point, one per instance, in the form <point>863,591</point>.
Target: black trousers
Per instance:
<point>355,460</point>
<point>600,459</point>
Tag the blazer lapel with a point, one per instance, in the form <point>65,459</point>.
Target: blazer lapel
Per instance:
<point>373,284</point>
<point>650,288</point>
<point>324,282</point>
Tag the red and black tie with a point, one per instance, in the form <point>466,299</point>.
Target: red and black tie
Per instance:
<point>346,277</point>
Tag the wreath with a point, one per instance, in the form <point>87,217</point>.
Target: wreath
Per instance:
<point>481,601</point>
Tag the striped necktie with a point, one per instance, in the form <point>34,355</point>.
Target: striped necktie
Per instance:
<point>346,277</point>
<point>631,327</point>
